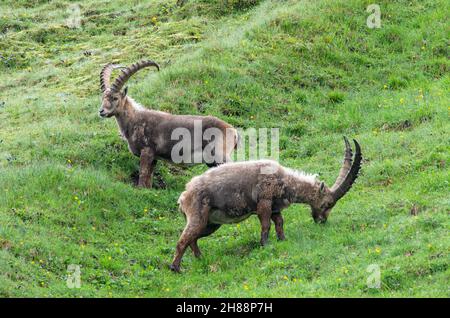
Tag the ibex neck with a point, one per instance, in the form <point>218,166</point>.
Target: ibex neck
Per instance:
<point>302,188</point>
<point>126,116</point>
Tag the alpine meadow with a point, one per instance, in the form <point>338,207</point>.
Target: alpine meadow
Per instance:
<point>314,69</point>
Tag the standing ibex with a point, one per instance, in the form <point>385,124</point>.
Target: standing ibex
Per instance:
<point>232,192</point>
<point>150,133</point>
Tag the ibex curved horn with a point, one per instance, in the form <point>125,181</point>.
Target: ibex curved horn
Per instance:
<point>128,72</point>
<point>349,171</point>
<point>105,75</point>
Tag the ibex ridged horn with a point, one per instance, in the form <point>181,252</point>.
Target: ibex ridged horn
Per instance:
<point>105,75</point>
<point>349,171</point>
<point>128,72</point>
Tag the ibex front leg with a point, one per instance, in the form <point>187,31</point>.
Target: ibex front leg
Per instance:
<point>264,211</point>
<point>146,168</point>
<point>277,218</point>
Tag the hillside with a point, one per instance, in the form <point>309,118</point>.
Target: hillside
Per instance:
<point>312,68</point>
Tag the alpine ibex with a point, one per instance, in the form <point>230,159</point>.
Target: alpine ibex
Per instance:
<point>150,133</point>
<point>232,192</point>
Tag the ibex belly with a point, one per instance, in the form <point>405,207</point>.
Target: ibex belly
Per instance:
<point>221,217</point>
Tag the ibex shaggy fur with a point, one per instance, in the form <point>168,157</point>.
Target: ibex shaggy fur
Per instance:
<point>232,192</point>
<point>149,133</point>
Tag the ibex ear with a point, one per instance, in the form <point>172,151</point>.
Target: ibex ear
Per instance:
<point>125,91</point>
<point>322,187</point>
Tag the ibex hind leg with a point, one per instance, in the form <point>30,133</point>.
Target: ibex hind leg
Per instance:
<point>219,162</point>
<point>196,224</point>
<point>210,229</point>
<point>221,158</point>
<point>212,164</point>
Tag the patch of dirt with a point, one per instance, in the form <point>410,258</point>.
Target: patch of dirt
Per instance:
<point>398,126</point>
<point>415,210</point>
<point>5,245</point>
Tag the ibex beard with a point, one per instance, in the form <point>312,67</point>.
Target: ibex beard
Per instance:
<point>232,192</point>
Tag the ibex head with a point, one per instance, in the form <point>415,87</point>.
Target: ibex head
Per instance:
<point>327,197</point>
<point>113,96</point>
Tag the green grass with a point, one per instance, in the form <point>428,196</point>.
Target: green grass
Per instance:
<point>311,68</point>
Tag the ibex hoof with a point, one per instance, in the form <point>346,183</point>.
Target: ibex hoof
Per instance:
<point>175,268</point>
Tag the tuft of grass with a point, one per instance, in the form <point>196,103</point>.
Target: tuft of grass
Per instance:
<point>336,97</point>
<point>311,68</point>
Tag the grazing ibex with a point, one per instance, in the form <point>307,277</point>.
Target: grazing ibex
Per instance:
<point>152,134</point>
<point>232,192</point>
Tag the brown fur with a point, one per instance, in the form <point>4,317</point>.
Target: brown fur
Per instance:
<point>148,132</point>
<point>232,192</point>
<point>239,190</point>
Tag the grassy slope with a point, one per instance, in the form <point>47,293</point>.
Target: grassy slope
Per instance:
<point>312,68</point>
